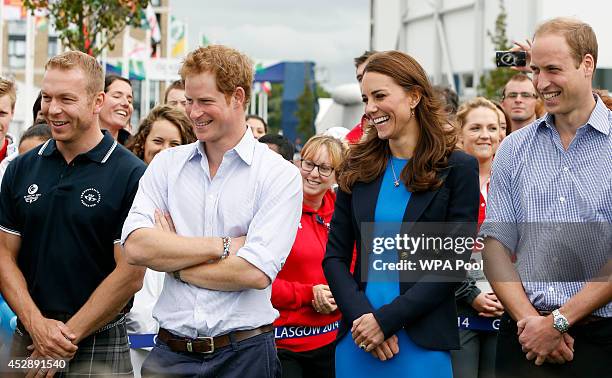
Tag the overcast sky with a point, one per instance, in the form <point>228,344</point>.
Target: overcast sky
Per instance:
<point>329,32</point>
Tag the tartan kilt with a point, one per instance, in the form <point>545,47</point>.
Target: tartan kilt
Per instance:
<point>105,352</point>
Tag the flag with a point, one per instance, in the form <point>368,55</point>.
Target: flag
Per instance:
<point>41,19</point>
<point>203,40</point>
<point>178,36</point>
<point>134,48</point>
<point>150,22</point>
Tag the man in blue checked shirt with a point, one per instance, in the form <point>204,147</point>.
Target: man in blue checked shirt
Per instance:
<point>550,204</point>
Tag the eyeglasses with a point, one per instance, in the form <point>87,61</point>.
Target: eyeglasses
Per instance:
<point>514,95</point>
<point>308,166</point>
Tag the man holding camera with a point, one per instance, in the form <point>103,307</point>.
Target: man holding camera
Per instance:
<point>552,171</point>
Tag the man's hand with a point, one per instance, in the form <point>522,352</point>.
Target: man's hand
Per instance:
<point>34,372</point>
<point>323,302</point>
<point>488,305</point>
<point>366,331</point>
<point>163,221</point>
<point>387,349</point>
<point>523,46</point>
<point>52,338</point>
<point>539,339</point>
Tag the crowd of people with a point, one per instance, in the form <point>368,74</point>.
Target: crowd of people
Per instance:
<point>246,258</point>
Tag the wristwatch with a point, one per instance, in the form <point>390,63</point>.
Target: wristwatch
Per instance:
<point>560,322</point>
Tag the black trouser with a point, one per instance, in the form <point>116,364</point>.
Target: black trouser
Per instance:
<point>592,353</point>
<point>317,363</point>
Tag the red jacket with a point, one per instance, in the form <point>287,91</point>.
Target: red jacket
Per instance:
<point>299,327</point>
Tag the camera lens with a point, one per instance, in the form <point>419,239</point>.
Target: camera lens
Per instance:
<point>508,59</point>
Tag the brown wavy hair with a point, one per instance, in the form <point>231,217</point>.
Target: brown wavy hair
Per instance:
<point>170,114</point>
<point>367,160</point>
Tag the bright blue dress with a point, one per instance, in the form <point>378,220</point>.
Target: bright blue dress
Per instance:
<point>382,288</point>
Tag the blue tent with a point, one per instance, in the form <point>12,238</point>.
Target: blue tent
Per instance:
<point>293,75</point>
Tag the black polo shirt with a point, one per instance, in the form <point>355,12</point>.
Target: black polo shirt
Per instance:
<point>69,217</point>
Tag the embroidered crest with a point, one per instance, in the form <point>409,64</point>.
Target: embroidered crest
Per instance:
<point>90,197</point>
<point>32,195</point>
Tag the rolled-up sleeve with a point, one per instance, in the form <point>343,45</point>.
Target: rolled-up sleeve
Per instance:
<point>501,221</point>
<point>272,231</point>
<point>152,194</point>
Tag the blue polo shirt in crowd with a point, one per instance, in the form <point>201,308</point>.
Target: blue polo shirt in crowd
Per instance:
<point>69,218</point>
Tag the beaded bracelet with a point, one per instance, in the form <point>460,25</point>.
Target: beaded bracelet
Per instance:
<point>227,241</point>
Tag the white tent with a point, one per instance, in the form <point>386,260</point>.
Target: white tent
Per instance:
<point>344,109</point>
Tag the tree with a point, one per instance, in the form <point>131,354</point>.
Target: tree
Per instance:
<point>305,112</point>
<point>90,25</point>
<point>321,91</point>
<point>275,108</point>
<point>492,82</point>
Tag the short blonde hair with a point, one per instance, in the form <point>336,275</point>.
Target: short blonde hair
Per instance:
<point>335,149</point>
<point>70,60</point>
<point>468,106</point>
<point>579,36</point>
<point>232,69</point>
<point>7,88</point>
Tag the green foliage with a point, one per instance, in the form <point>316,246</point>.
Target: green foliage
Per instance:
<point>275,108</point>
<point>492,82</point>
<point>305,112</point>
<point>322,92</point>
<point>90,25</point>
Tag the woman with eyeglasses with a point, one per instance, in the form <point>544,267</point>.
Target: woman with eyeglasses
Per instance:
<point>308,321</point>
<point>477,305</point>
<point>403,175</point>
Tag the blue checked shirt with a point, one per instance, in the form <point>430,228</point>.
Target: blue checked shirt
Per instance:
<point>536,181</point>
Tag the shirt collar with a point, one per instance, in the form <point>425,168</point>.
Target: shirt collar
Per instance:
<point>599,118</point>
<point>245,147</point>
<point>100,153</point>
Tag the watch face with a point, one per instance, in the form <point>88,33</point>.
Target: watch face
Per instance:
<point>560,323</point>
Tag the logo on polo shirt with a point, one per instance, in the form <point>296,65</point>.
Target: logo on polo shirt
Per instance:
<point>90,197</point>
<point>32,195</point>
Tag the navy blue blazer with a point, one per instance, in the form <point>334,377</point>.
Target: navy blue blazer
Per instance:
<point>425,310</point>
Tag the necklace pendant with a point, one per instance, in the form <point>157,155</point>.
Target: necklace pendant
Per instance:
<point>396,183</point>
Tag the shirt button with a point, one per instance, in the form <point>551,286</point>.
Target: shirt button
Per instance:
<point>565,169</point>
<point>482,205</point>
<point>561,199</point>
<point>551,289</point>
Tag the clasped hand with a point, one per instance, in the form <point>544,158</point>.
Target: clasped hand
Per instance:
<point>51,339</point>
<point>323,302</point>
<point>541,341</point>
<point>367,332</point>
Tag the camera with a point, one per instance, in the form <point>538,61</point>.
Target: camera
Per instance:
<point>511,58</point>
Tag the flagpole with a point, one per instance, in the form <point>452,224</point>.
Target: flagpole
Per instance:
<point>2,23</point>
<point>168,47</point>
<point>29,66</point>
<point>125,65</point>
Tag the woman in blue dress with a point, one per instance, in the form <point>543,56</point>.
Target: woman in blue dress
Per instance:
<point>404,173</point>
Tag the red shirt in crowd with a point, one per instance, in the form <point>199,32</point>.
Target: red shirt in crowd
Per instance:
<point>292,289</point>
<point>354,136</point>
<point>4,149</point>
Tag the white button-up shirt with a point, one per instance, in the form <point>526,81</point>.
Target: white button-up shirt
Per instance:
<point>256,193</point>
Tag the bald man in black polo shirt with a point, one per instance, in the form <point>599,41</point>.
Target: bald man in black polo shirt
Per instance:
<point>62,207</point>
